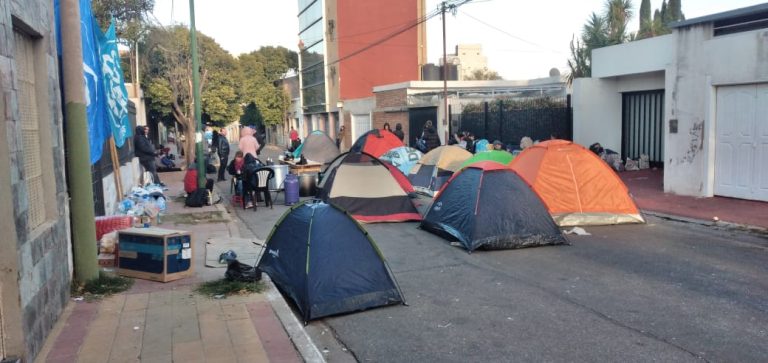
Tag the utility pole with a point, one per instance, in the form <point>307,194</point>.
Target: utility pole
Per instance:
<point>196,98</point>
<point>78,152</point>
<point>443,7</point>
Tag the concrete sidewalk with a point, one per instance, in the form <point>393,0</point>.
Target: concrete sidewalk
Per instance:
<point>169,322</point>
<point>647,186</point>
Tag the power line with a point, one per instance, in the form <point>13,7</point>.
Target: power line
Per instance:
<point>510,34</point>
<point>388,37</point>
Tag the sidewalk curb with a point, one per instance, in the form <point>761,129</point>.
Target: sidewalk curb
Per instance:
<point>731,226</point>
<point>293,327</point>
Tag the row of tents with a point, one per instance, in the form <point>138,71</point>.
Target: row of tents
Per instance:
<point>320,256</point>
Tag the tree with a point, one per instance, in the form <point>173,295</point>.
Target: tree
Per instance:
<point>483,75</point>
<point>579,63</point>
<point>646,23</point>
<point>167,65</point>
<point>617,16</point>
<point>130,17</point>
<point>260,70</point>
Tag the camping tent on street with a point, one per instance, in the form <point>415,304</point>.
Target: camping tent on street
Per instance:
<point>486,205</point>
<point>577,187</point>
<point>436,167</point>
<point>326,263</point>
<point>498,156</point>
<point>317,147</point>
<point>403,158</point>
<point>376,142</point>
<point>368,188</point>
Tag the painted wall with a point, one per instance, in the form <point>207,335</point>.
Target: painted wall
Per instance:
<point>395,60</point>
<point>642,56</point>
<point>40,278</point>
<point>703,63</point>
<point>596,112</point>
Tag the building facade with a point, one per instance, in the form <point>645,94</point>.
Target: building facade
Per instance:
<point>35,258</point>
<point>695,101</point>
<point>346,48</point>
<point>467,59</point>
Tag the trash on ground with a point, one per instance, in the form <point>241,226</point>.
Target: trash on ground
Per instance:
<point>578,231</point>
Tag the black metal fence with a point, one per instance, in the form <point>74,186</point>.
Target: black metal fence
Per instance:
<point>511,120</point>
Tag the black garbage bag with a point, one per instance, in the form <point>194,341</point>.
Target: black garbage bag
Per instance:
<point>237,271</point>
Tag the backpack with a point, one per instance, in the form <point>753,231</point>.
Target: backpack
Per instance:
<point>197,199</point>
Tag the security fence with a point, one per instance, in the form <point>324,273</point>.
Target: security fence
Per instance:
<point>509,120</point>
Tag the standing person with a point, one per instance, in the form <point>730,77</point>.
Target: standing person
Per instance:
<point>429,135</point>
<point>387,127</point>
<point>146,152</point>
<point>340,137</point>
<point>261,138</point>
<point>294,136</point>
<point>223,150</point>
<point>399,132</point>
<point>248,143</point>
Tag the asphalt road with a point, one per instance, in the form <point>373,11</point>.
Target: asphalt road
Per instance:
<point>663,291</point>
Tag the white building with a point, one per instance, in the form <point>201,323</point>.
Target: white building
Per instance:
<point>695,101</point>
<point>467,59</point>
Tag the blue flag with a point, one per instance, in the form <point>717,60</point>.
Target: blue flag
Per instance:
<point>115,94</point>
<point>98,129</point>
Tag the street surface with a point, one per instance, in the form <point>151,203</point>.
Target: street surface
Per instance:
<point>665,291</point>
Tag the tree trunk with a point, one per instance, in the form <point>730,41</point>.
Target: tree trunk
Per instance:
<point>189,146</point>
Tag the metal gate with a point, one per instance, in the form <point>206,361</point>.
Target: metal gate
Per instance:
<point>417,117</point>
<point>642,125</point>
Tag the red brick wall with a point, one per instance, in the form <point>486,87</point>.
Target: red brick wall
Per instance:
<point>401,117</point>
<point>361,23</point>
<point>393,98</point>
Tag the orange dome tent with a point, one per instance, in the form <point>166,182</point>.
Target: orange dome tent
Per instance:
<point>577,187</point>
<point>376,142</point>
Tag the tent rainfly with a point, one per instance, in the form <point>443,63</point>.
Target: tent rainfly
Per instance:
<point>577,187</point>
<point>326,263</point>
<point>369,189</point>
<point>486,205</point>
<point>376,142</point>
<point>436,167</point>
<point>317,147</point>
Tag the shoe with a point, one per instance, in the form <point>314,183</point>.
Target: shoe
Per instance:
<point>161,184</point>
<point>249,205</point>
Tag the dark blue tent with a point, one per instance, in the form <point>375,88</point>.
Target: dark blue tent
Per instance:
<point>326,262</point>
<point>487,205</point>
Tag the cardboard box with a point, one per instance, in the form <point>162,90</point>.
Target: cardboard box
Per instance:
<point>155,254</point>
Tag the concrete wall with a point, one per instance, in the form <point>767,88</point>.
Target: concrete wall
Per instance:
<point>642,56</point>
<point>597,112</point>
<point>41,272</point>
<point>358,106</point>
<point>703,63</point>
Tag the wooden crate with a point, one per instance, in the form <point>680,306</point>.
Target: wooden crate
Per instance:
<point>155,254</point>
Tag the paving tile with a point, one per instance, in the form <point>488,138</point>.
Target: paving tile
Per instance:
<point>273,336</point>
<point>136,302</point>
<point>164,358</point>
<point>188,352</point>
<point>234,311</point>
<point>250,353</point>
<point>242,332</point>
<point>223,353</point>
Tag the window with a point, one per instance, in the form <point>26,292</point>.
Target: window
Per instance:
<point>30,127</point>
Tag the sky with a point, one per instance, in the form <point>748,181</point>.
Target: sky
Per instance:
<point>520,41</point>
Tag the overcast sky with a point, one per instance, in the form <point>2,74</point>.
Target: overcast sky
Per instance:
<point>521,39</point>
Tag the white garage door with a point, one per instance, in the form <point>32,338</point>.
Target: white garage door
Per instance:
<point>741,151</point>
<point>361,124</point>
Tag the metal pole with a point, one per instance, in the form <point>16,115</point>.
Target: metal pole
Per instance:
<point>445,71</point>
<point>78,152</point>
<point>196,95</point>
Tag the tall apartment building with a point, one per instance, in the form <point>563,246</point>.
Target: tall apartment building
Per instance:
<point>347,47</point>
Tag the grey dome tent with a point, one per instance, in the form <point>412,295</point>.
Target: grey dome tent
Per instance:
<point>488,206</point>
<point>318,147</point>
<point>326,263</point>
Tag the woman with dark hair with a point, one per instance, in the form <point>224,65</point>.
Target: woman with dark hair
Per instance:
<point>387,127</point>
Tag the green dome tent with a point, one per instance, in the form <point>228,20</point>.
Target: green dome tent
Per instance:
<point>501,157</point>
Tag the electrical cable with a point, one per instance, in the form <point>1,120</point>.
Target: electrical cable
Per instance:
<point>510,34</point>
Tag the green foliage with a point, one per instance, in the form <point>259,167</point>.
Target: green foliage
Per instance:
<point>646,23</point>
<point>268,102</point>
<point>227,288</point>
<point>129,16</point>
<point>600,30</point>
<point>579,63</point>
